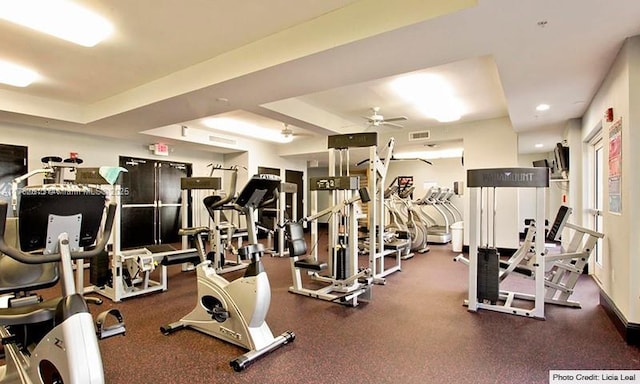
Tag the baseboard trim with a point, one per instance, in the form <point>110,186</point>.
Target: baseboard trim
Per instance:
<point>630,332</point>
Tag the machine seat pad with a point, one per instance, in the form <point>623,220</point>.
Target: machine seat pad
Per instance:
<point>311,264</point>
<point>159,248</point>
<point>396,244</point>
<point>29,314</point>
<point>211,200</point>
<point>179,258</point>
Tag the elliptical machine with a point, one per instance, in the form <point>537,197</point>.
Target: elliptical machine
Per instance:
<point>52,341</point>
<point>235,311</point>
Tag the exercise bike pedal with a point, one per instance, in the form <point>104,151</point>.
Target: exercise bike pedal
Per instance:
<point>9,338</point>
<point>219,314</point>
<point>118,328</point>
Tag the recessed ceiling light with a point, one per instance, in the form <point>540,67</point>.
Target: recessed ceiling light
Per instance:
<point>59,18</point>
<point>16,75</point>
<point>543,107</point>
<point>539,145</point>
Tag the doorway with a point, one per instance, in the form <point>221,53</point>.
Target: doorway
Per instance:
<point>596,195</point>
<point>296,177</point>
<point>13,163</point>
<point>151,206</point>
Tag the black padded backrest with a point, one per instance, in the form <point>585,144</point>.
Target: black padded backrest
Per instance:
<point>212,204</point>
<point>37,203</point>
<point>558,224</point>
<point>297,243</point>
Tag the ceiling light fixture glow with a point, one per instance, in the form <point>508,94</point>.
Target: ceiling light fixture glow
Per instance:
<point>16,75</point>
<point>244,128</point>
<point>543,107</point>
<point>539,145</point>
<point>59,18</point>
<point>432,94</point>
<point>450,153</point>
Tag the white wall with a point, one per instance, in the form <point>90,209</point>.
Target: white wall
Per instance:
<point>101,151</point>
<point>93,150</point>
<point>618,274</point>
<point>487,144</point>
<point>559,192</point>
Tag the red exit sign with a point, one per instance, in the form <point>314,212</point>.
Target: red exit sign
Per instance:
<point>161,149</point>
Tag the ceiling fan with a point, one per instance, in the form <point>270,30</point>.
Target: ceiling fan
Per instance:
<point>288,133</point>
<point>376,119</point>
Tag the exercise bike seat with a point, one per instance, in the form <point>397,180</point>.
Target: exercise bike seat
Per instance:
<point>19,277</point>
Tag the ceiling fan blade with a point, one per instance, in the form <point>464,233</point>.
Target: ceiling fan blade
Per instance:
<point>397,118</point>
<point>412,159</point>
<point>392,124</point>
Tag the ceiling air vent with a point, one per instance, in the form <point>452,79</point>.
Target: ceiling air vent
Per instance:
<point>419,135</point>
<point>218,139</point>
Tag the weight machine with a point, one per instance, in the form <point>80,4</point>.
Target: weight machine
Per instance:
<point>126,273</point>
<point>554,275</point>
<point>346,282</point>
<point>54,171</point>
<point>381,250</point>
<point>484,292</point>
<point>284,189</point>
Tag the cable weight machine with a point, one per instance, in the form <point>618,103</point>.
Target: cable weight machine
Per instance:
<point>484,290</point>
<point>345,281</point>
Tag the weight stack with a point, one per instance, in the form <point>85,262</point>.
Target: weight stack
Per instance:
<point>488,275</point>
<point>99,272</point>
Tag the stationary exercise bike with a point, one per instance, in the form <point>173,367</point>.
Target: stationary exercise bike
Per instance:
<point>52,341</point>
<point>235,311</point>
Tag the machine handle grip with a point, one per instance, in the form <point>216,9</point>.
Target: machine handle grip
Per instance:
<point>266,202</point>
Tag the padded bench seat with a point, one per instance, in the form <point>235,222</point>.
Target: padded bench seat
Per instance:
<point>396,244</point>
<point>311,264</point>
<point>179,258</point>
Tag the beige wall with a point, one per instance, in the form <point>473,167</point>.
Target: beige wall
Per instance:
<point>618,274</point>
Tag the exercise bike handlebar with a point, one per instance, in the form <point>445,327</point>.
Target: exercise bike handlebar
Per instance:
<point>29,258</point>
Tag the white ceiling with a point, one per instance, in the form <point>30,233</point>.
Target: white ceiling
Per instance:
<point>317,65</point>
